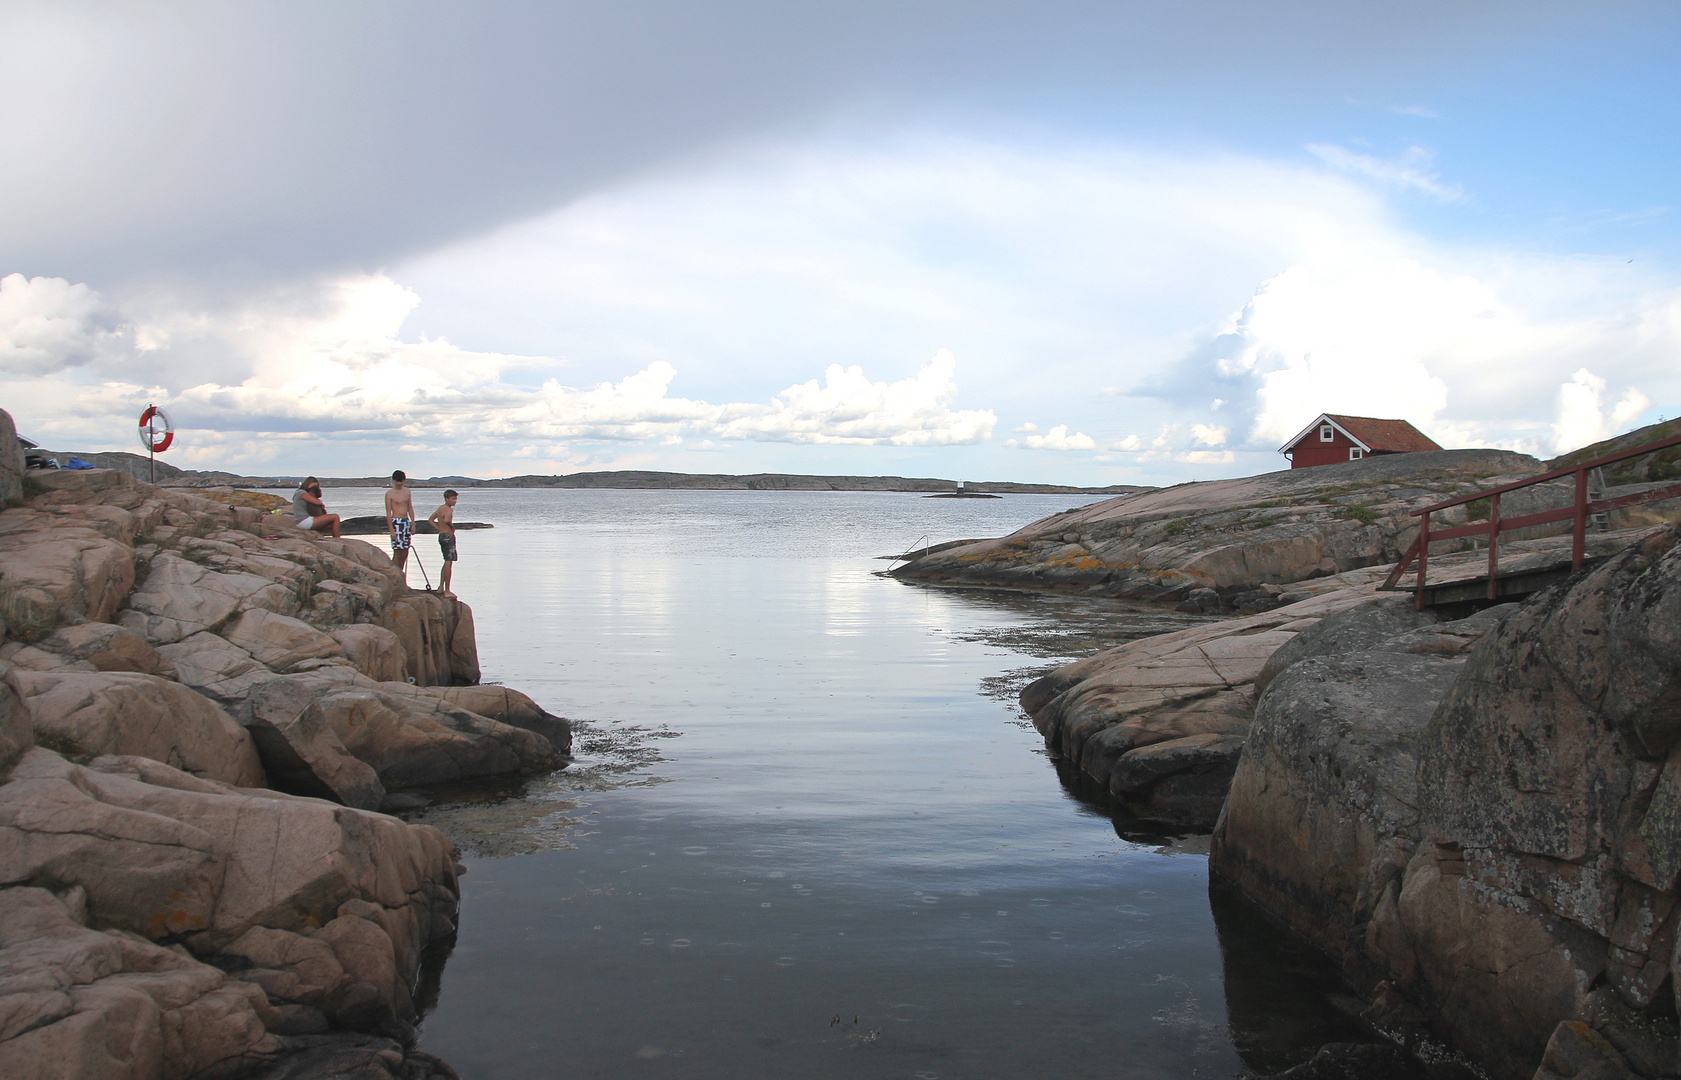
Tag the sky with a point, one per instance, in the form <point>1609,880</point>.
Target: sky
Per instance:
<point>1063,242</point>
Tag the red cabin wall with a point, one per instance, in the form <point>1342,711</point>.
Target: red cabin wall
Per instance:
<point>1310,451</point>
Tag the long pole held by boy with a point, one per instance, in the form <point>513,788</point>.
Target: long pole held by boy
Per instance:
<point>399,522</point>
<point>443,519</point>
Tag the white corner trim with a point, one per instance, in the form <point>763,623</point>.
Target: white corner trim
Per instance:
<point>1323,418</point>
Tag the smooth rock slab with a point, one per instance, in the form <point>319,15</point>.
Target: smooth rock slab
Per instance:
<point>216,668</point>
<point>409,739</point>
<point>56,570</point>
<point>87,714</point>
<point>163,854</point>
<point>1194,685</point>
<point>181,598</point>
<point>279,642</point>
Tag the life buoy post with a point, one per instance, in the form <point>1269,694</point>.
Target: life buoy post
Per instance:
<point>156,435</point>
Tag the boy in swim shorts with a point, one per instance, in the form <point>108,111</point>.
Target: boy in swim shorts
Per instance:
<point>399,521</point>
<point>443,519</point>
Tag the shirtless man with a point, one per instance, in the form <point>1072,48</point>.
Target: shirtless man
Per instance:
<point>443,519</point>
<point>399,521</point>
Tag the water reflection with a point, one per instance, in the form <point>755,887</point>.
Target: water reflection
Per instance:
<point>809,832</point>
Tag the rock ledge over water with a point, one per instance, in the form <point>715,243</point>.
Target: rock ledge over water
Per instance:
<point>200,714</point>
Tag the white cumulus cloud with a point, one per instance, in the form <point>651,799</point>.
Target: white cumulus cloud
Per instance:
<point>47,324</point>
<point>1582,418</point>
<point>1057,438</point>
<point>337,368</point>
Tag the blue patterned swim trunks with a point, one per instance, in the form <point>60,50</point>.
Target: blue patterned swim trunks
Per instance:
<point>446,544</point>
<point>402,534</point>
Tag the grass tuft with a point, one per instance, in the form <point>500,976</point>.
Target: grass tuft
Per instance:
<point>1359,513</point>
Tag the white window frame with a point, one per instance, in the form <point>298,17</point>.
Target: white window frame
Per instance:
<point>1327,433</point>
<point>1355,453</point>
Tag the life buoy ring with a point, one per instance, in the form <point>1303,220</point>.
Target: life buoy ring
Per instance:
<point>154,422</point>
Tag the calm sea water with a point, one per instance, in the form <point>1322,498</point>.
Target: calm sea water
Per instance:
<point>809,833</point>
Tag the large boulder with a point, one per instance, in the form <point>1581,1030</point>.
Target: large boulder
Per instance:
<point>89,714</point>
<point>1522,877</point>
<point>281,643</point>
<point>12,468</point>
<point>299,748</point>
<point>165,855</point>
<point>499,703</point>
<point>80,1004</point>
<point>408,739</point>
<point>1572,843</point>
<point>1160,722</point>
<point>374,651</point>
<point>59,570</point>
<point>1323,812</point>
<point>437,638</point>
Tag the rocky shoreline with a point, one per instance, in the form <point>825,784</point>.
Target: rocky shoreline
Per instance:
<point>200,721</point>
<point>1484,837</point>
<point>1471,810</point>
<point>204,720</point>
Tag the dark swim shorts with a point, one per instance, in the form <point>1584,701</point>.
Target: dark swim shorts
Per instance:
<point>402,534</point>
<point>446,544</point>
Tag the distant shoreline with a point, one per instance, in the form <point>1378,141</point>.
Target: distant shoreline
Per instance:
<point>170,476</point>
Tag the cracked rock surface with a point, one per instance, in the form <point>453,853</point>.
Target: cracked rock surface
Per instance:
<point>200,712</point>
<point>1481,820</point>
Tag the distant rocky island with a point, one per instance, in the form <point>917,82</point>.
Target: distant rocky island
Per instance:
<point>170,476</point>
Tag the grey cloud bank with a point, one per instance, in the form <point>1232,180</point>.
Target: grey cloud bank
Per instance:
<point>264,141</point>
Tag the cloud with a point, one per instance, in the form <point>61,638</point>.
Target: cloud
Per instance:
<point>1467,346</point>
<point>48,324</point>
<point>291,140</point>
<point>1415,110</point>
<point>1409,171</point>
<point>1209,435</point>
<point>1581,417</point>
<point>782,305</point>
<point>336,368</point>
<point>1057,438</point>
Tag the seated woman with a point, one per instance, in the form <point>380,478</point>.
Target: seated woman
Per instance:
<point>309,511</point>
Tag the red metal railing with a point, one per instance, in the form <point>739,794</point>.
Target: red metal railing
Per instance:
<point>1578,513</point>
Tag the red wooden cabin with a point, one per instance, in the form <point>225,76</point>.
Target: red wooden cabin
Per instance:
<point>1333,438</point>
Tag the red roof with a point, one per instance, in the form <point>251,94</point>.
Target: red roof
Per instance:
<point>1396,436</point>
<point>1377,436</point>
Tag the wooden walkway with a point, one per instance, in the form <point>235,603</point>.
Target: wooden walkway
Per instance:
<point>1540,566</point>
